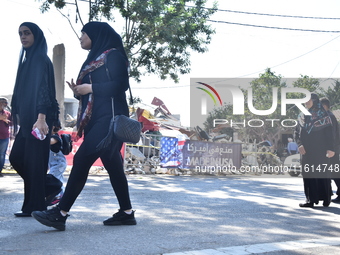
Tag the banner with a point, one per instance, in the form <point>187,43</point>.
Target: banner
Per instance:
<point>209,156</point>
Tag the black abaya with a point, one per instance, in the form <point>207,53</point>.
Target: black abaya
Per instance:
<point>317,184</point>
<point>34,94</point>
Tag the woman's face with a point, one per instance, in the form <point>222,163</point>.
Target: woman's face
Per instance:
<point>309,104</point>
<point>85,41</point>
<point>26,36</point>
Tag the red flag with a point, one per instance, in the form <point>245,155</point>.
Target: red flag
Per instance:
<point>156,101</point>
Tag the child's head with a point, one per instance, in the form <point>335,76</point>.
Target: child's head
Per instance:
<point>56,126</point>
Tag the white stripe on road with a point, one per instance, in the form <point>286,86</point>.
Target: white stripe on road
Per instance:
<point>264,247</point>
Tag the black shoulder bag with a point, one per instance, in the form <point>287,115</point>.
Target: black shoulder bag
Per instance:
<point>125,128</point>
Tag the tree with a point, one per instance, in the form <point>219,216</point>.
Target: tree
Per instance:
<point>159,35</point>
<point>333,94</point>
<point>305,82</point>
<point>262,99</point>
<point>314,85</point>
<point>309,83</point>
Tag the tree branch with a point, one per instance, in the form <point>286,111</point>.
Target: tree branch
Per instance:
<point>69,22</point>
<point>78,13</point>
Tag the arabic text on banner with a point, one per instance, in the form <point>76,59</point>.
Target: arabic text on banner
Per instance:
<point>209,154</point>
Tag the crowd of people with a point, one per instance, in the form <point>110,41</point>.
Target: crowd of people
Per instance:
<point>101,83</point>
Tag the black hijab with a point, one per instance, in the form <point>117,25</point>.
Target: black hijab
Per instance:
<point>318,119</point>
<point>34,90</point>
<point>103,37</point>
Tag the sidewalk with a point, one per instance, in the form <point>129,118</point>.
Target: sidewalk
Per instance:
<point>180,215</point>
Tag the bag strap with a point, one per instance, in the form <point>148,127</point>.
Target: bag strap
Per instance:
<point>131,99</point>
<point>109,76</point>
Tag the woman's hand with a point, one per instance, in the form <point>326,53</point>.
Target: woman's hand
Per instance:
<point>330,154</point>
<point>80,90</point>
<point>41,125</point>
<point>3,117</point>
<point>83,89</point>
<point>302,150</point>
<point>72,86</point>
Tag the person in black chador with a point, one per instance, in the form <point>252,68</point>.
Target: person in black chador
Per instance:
<point>34,106</point>
<point>336,139</point>
<point>315,140</point>
<point>103,80</point>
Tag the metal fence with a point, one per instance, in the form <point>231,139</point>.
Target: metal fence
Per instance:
<point>144,156</point>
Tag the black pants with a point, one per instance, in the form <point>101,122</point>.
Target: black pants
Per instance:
<point>82,163</point>
<point>336,162</point>
<point>29,157</point>
<point>317,189</point>
<point>337,183</point>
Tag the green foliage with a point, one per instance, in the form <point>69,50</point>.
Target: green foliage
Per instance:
<point>262,99</point>
<point>159,35</point>
<point>333,94</point>
<point>217,113</point>
<point>262,92</point>
<point>305,82</point>
<point>309,83</point>
<point>59,4</point>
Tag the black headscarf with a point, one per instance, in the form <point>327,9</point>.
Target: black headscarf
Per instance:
<point>34,90</point>
<point>103,37</point>
<point>318,119</point>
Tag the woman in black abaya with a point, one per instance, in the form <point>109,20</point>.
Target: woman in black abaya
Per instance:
<point>314,137</point>
<point>34,106</point>
<point>103,80</point>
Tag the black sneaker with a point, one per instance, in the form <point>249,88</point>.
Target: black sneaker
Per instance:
<point>51,218</point>
<point>311,205</point>
<point>1,175</point>
<point>121,218</point>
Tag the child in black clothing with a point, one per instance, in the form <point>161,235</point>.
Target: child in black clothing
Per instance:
<point>57,162</point>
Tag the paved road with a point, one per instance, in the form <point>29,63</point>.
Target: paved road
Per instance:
<point>178,215</point>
